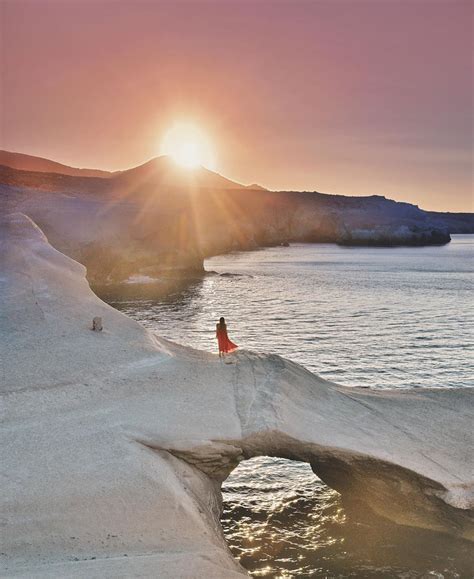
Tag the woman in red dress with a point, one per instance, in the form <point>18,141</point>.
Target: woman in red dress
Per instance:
<point>225,345</point>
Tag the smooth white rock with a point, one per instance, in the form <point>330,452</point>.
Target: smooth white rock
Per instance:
<point>114,443</point>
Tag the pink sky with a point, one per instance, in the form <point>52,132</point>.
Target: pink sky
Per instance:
<point>342,96</point>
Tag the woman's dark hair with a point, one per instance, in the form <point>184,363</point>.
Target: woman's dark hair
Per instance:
<point>222,322</point>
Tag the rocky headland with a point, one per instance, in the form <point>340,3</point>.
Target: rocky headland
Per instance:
<point>115,443</point>
<point>160,221</point>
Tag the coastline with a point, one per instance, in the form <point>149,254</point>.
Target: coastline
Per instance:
<point>142,222</point>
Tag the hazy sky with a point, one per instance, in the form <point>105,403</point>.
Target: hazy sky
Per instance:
<point>343,96</point>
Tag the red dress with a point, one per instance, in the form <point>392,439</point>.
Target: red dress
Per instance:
<point>225,345</point>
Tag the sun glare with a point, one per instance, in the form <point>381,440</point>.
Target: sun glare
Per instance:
<point>188,146</point>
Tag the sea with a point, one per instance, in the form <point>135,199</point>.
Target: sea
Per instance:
<point>375,317</point>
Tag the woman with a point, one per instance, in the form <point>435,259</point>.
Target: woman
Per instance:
<point>225,345</point>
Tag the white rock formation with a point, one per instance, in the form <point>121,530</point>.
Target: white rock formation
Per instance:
<point>114,443</point>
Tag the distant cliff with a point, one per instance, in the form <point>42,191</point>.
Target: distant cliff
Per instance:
<point>455,222</point>
<point>159,219</point>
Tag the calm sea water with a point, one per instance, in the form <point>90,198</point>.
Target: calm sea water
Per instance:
<point>379,317</point>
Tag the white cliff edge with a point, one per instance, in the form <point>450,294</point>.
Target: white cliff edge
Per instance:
<point>114,443</point>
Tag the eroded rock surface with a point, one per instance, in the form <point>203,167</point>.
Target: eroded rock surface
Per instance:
<point>114,443</point>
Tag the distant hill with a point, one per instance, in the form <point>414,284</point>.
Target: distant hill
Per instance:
<point>163,171</point>
<point>32,163</point>
<point>160,171</point>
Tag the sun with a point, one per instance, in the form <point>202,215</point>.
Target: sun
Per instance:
<point>188,146</point>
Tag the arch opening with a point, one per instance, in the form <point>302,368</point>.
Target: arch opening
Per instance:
<point>281,520</point>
